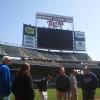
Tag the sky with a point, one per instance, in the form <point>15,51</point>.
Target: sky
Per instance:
<point>86,14</point>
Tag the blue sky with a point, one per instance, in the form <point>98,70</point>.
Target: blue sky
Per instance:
<point>86,14</point>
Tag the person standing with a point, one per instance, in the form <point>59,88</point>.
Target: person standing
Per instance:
<point>22,85</point>
<point>89,84</point>
<point>5,79</point>
<point>42,86</point>
<point>62,85</point>
<point>73,85</point>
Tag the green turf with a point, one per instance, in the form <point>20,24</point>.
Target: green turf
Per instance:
<point>52,94</point>
<point>98,92</point>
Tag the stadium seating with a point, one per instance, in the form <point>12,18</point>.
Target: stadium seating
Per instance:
<point>40,54</point>
<point>9,50</point>
<point>82,56</point>
<point>44,62</point>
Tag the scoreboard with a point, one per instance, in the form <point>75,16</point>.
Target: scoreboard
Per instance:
<point>54,39</point>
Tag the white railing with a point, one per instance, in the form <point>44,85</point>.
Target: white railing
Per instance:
<point>11,44</point>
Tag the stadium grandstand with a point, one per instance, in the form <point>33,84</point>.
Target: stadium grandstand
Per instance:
<point>46,49</point>
<point>44,62</point>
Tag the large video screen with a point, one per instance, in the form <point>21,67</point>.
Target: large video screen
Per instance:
<point>54,39</point>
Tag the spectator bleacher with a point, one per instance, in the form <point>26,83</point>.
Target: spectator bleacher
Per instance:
<point>44,62</point>
<point>9,50</point>
<point>42,55</point>
<point>45,58</point>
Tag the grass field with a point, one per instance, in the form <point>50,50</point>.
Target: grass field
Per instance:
<point>52,94</point>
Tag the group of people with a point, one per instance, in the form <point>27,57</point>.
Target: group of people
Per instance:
<point>67,86</point>
<point>22,85</point>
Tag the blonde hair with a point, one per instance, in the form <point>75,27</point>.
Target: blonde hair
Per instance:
<point>5,58</point>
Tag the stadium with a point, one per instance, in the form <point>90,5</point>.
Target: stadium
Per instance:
<point>46,49</point>
<point>51,47</point>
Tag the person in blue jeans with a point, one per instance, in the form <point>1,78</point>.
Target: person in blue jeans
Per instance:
<point>5,80</point>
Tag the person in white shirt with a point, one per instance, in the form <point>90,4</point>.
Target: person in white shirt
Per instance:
<point>73,85</point>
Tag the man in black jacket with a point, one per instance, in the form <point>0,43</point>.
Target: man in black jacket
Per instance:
<point>62,85</point>
<point>89,84</point>
<point>22,85</point>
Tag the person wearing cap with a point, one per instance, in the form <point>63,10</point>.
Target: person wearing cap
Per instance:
<point>73,85</point>
<point>5,79</point>
<point>89,84</point>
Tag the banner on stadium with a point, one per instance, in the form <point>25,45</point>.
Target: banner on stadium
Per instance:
<point>29,36</point>
<point>79,41</point>
<point>54,21</point>
<point>54,17</point>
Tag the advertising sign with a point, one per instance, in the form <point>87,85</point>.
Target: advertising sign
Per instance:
<point>79,41</point>
<point>29,36</point>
